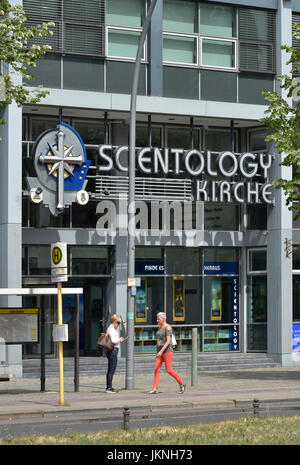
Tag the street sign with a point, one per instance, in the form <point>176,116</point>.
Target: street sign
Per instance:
<point>131,282</point>
<point>59,262</point>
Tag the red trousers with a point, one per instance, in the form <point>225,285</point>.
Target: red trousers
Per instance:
<point>167,358</point>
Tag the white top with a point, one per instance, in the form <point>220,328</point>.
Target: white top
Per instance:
<point>114,335</point>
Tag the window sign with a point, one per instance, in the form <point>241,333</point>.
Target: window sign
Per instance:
<point>296,336</point>
<point>235,314</point>
<point>216,300</point>
<point>141,302</point>
<point>221,268</point>
<point>178,299</point>
<point>149,267</point>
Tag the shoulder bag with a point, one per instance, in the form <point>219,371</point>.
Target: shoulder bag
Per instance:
<point>104,342</point>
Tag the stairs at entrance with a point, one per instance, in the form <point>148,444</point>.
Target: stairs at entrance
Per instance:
<point>97,366</point>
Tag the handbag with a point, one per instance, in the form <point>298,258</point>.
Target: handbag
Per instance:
<point>104,342</point>
<point>174,342</point>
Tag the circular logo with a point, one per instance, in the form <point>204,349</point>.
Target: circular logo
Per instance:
<point>56,255</point>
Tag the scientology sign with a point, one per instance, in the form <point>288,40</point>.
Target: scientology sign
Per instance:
<point>214,175</point>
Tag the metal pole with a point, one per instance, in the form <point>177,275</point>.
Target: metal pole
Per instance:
<point>60,347</point>
<point>43,365</point>
<point>194,380</point>
<point>76,346</point>
<point>129,381</point>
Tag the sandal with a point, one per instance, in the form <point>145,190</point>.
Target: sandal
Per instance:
<point>182,388</point>
<point>154,391</point>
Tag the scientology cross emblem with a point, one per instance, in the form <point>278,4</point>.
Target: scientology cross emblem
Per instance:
<point>61,166</point>
<point>62,159</point>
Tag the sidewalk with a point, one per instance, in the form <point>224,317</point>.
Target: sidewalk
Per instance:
<point>22,397</point>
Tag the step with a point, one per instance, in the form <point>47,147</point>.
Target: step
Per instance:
<point>95,366</point>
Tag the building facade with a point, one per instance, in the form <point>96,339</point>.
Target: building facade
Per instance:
<point>213,237</point>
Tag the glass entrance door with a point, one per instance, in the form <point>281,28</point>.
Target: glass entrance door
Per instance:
<point>93,315</point>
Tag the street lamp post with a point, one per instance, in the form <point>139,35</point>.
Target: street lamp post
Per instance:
<point>131,204</point>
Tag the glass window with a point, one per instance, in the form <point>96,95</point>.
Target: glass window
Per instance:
<point>40,217</point>
<point>257,217</point>
<point>296,260</point>
<point>218,338</point>
<point>89,260</point>
<point>296,298</point>
<point>179,49</point>
<point>218,53</point>
<point>83,74</point>
<point>218,21</point>
<point>183,261</point>
<point>40,125</point>
<point>123,43</point>
<point>151,253</point>
<point>220,255</point>
<point>257,299</point>
<point>181,82</point>
<point>181,138</point>
<point>219,217</point>
<point>219,299</point>
<point>39,260</point>
<point>257,141</point>
<point>124,13</point>
<point>179,16</point>
<point>184,300</point>
<point>257,260</point>
<point>219,141</point>
<point>92,133</point>
<point>85,216</point>
<point>142,136</point>
<point>257,337</point>
<point>47,72</point>
<point>149,300</point>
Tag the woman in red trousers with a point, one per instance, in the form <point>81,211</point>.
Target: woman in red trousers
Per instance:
<point>164,354</point>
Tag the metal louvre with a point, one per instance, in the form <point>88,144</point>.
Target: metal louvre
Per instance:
<point>111,187</point>
<point>79,25</point>
<point>295,20</point>
<point>257,34</point>
<point>256,57</point>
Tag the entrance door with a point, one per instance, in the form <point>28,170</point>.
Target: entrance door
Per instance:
<point>93,316</point>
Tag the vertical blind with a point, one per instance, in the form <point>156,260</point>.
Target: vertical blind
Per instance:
<point>79,25</point>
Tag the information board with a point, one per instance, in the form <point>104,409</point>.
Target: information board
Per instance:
<point>18,325</point>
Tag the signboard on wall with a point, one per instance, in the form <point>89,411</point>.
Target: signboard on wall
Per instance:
<point>19,325</point>
<point>149,267</point>
<point>223,268</point>
<point>296,336</point>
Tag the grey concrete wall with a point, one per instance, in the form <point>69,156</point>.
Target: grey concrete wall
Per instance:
<point>279,264</point>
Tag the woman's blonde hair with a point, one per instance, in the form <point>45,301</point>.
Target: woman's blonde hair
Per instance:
<point>115,318</point>
<point>162,315</point>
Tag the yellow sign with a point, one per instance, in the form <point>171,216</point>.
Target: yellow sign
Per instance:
<point>56,255</point>
<point>21,311</point>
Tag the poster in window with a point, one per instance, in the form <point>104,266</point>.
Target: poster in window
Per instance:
<point>141,302</point>
<point>178,299</point>
<point>216,300</point>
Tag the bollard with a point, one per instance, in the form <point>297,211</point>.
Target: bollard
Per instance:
<point>194,380</point>
<point>126,418</point>
<point>255,407</point>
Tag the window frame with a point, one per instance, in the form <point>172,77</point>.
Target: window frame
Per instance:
<point>256,272</point>
<point>120,57</point>
<point>216,39</point>
<point>190,36</point>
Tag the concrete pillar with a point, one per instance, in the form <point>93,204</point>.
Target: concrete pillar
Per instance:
<point>10,221</point>
<point>279,264</point>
